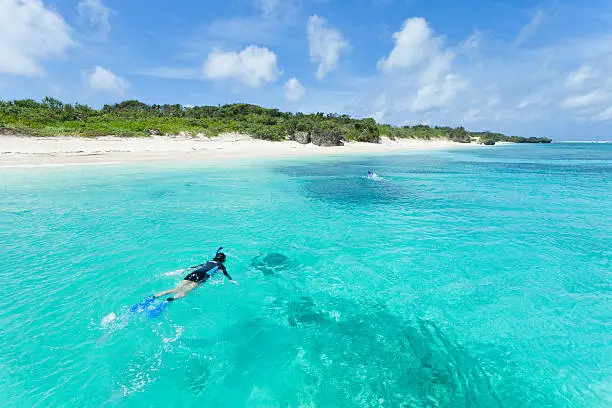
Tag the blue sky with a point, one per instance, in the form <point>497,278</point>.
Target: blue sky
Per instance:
<point>522,67</point>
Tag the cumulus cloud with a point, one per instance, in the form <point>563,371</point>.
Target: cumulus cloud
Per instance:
<point>30,33</point>
<point>553,88</point>
<point>325,43</point>
<point>253,66</point>
<point>101,79</point>
<point>438,94</point>
<point>414,44</point>
<point>294,90</point>
<point>97,14</point>
<point>419,58</point>
<point>437,67</point>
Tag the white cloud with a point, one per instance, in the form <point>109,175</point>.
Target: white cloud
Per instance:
<point>439,65</point>
<point>97,14</point>
<point>438,94</point>
<point>414,44</point>
<point>294,90</point>
<point>101,79</point>
<point>29,33</point>
<point>529,29</point>
<point>580,76</point>
<point>553,88</point>
<point>326,44</point>
<point>584,101</point>
<point>419,59</point>
<point>253,66</point>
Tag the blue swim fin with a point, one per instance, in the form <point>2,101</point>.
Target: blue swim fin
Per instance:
<point>158,310</point>
<point>141,307</point>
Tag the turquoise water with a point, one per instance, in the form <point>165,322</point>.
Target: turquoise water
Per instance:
<point>467,278</point>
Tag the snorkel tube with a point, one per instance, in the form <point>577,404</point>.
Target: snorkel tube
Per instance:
<point>219,256</point>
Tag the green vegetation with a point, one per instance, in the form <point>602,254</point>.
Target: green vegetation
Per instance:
<point>455,134</point>
<point>136,119</point>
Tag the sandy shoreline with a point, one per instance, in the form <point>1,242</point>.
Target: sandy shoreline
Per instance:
<point>31,151</point>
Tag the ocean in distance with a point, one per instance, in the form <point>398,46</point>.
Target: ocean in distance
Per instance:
<point>460,278</point>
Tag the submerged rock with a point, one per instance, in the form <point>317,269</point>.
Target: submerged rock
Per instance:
<point>197,373</point>
<point>270,263</point>
<point>303,310</point>
<point>385,359</point>
<point>443,371</point>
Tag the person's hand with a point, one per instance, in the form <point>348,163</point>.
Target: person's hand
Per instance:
<point>234,282</point>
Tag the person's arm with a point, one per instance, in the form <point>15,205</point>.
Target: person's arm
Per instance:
<point>227,275</point>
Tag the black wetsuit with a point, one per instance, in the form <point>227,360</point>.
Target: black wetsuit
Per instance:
<point>201,273</point>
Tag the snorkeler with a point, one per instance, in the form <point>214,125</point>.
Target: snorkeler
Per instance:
<point>371,174</point>
<point>199,274</point>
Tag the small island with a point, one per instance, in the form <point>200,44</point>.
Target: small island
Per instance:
<point>51,117</point>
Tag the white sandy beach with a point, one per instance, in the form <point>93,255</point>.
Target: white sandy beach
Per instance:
<point>23,150</point>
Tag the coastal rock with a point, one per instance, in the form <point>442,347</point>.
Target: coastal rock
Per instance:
<point>324,138</point>
<point>7,132</point>
<point>302,137</point>
<point>488,142</point>
<point>154,132</point>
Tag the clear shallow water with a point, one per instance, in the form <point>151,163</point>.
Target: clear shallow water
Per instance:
<point>464,278</point>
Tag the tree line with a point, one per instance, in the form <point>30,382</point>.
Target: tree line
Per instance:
<point>133,118</point>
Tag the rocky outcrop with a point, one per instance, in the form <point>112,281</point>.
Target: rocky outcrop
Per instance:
<point>318,137</point>
<point>325,138</point>
<point>302,137</point>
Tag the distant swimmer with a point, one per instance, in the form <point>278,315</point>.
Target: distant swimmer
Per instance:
<point>371,174</point>
<point>199,274</point>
